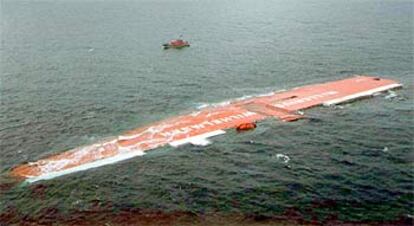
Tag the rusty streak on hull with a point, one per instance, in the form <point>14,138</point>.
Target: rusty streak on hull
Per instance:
<point>196,127</point>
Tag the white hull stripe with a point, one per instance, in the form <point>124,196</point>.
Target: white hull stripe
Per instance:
<point>97,163</point>
<point>198,140</point>
<point>361,94</point>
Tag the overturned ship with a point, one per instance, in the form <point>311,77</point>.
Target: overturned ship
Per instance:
<point>197,127</point>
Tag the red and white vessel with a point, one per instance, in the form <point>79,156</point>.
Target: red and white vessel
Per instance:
<point>195,128</point>
<point>176,44</point>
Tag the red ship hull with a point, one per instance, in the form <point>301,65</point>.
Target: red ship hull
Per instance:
<point>196,127</point>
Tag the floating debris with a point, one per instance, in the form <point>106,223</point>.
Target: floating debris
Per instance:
<point>283,157</point>
<point>246,126</point>
<point>391,95</point>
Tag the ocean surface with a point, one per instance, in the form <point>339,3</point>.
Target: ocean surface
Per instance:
<point>76,72</point>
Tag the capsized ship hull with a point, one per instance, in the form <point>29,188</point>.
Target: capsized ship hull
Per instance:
<point>195,128</point>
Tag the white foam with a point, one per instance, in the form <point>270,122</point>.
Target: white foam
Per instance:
<point>391,94</point>
<point>220,104</point>
<point>227,102</point>
<point>202,105</point>
<point>283,157</point>
<point>200,142</point>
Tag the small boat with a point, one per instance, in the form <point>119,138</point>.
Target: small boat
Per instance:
<point>176,44</point>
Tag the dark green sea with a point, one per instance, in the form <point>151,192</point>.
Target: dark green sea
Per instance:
<point>74,72</point>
